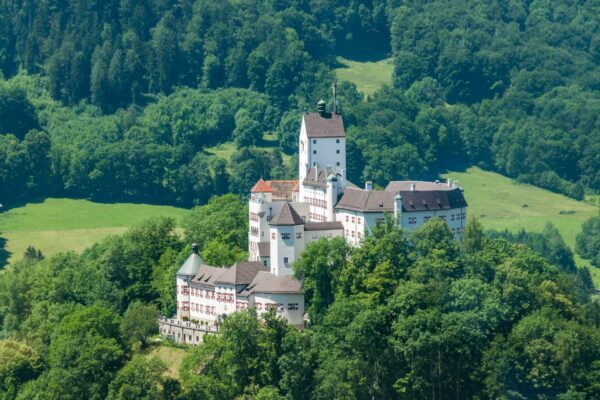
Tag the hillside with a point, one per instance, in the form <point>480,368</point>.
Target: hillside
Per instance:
<point>59,225</point>
<point>368,76</point>
<point>501,203</point>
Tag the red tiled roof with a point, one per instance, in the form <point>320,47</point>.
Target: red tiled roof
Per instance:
<point>261,187</point>
<point>281,189</point>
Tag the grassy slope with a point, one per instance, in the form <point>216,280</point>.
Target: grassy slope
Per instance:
<point>367,76</point>
<point>171,356</point>
<point>499,203</point>
<point>56,225</point>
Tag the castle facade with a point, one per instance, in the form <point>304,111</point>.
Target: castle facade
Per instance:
<point>286,215</point>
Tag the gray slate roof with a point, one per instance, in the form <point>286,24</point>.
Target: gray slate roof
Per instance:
<point>192,265</point>
<point>287,216</point>
<point>208,275</point>
<point>312,179</point>
<point>264,249</point>
<point>241,273</point>
<point>265,282</point>
<point>355,199</point>
<point>317,126</point>
<point>428,196</point>
<point>323,226</point>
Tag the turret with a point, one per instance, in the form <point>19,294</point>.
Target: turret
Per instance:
<point>184,275</point>
<point>331,196</point>
<point>287,239</point>
<point>398,210</point>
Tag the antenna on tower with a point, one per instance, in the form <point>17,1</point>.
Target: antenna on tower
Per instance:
<point>335,105</point>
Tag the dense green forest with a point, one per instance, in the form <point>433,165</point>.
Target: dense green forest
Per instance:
<point>402,317</point>
<point>122,101</point>
<point>119,100</point>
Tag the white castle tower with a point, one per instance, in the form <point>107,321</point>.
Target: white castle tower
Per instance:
<point>322,153</point>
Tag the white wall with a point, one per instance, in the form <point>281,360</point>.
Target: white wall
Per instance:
<point>323,151</point>
<point>456,219</point>
<point>354,223</point>
<point>281,301</point>
<point>258,230</point>
<point>183,297</point>
<point>311,236</point>
<point>203,304</point>
<point>286,242</point>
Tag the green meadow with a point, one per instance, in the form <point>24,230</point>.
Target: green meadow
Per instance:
<point>56,225</point>
<point>501,203</point>
<point>368,76</point>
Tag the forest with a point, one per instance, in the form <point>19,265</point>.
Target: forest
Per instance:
<point>120,100</point>
<point>123,100</point>
<point>402,317</point>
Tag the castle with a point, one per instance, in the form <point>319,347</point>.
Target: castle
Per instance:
<point>286,215</point>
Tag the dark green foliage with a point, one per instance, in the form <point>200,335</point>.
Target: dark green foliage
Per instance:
<point>141,378</point>
<point>400,317</point>
<point>528,79</point>
<point>220,228</point>
<point>588,241</point>
<point>139,323</point>
<point>17,114</point>
<point>548,243</point>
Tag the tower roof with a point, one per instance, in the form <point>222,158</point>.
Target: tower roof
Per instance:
<point>192,265</point>
<point>287,216</point>
<point>328,126</point>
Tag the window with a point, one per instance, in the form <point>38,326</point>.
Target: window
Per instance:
<point>359,220</point>
<point>293,306</point>
<point>452,217</point>
<point>285,260</point>
<point>352,219</point>
<point>347,218</point>
<point>337,163</point>
<point>285,235</point>
<point>443,217</point>
<point>347,232</point>
<point>314,152</point>
<point>314,141</point>
<point>425,219</point>
<point>412,220</point>
<point>298,235</point>
<point>352,233</point>
<point>265,263</point>
<point>337,140</point>
<point>337,151</point>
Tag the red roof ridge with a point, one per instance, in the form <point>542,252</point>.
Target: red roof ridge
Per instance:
<point>261,187</point>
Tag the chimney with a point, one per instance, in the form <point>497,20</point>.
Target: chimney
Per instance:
<point>335,107</point>
<point>369,185</point>
<point>321,108</point>
<point>413,187</point>
<point>195,248</point>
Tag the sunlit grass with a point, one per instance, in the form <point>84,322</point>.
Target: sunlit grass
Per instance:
<point>57,225</point>
<point>367,76</point>
<point>501,203</point>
